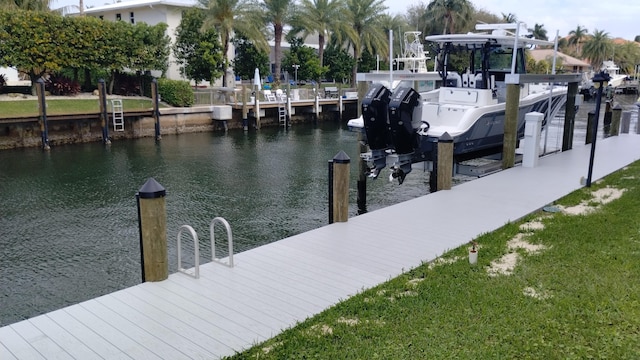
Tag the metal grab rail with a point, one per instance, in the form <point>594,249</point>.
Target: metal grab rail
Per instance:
<point>213,241</point>
<point>196,246</point>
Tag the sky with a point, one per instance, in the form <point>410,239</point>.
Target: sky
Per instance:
<point>619,18</point>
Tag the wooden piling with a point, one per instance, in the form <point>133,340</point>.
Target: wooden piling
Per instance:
<point>616,114</point>
<point>341,169</point>
<point>152,217</point>
<point>510,126</point>
<point>245,108</point>
<point>42,109</point>
<point>445,162</point>
<point>155,98</point>
<point>104,117</point>
<point>569,117</point>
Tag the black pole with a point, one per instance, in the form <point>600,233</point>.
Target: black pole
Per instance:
<point>44,127</point>
<point>104,117</point>
<point>600,78</point>
<point>156,107</point>
<point>140,234</point>
<point>330,191</point>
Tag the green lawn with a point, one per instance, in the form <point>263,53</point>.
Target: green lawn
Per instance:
<point>577,297</point>
<point>20,108</point>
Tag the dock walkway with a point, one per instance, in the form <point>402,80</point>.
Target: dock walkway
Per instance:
<point>274,286</point>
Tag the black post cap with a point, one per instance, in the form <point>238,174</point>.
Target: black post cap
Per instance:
<point>341,158</point>
<point>151,190</point>
<point>445,138</point>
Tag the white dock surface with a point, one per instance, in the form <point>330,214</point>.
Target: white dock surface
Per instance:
<point>274,286</point>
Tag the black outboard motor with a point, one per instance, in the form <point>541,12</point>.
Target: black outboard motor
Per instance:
<point>403,136</point>
<point>376,125</point>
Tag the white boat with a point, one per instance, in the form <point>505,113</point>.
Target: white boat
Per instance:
<point>403,126</point>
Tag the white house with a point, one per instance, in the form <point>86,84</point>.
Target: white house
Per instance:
<point>151,12</point>
<point>170,12</point>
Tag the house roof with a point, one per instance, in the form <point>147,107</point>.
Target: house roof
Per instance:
<point>140,3</point>
<point>542,54</point>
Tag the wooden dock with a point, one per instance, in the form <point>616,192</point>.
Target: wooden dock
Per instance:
<point>276,285</point>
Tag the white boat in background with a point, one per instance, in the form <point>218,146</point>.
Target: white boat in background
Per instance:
<point>403,125</point>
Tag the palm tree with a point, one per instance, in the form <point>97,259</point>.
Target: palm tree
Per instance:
<point>362,18</point>
<point>277,13</point>
<point>229,16</point>
<point>455,13</point>
<point>539,32</point>
<point>29,5</point>
<point>576,36</point>
<point>319,16</point>
<point>396,23</point>
<point>509,18</point>
<point>597,48</point>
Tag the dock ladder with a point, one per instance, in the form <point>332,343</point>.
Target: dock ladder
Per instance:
<point>196,247</point>
<point>118,115</point>
<point>282,107</point>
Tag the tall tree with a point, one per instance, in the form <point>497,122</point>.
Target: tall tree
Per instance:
<point>198,52</point>
<point>319,16</point>
<point>229,16</point>
<point>454,13</point>
<point>248,58</point>
<point>29,5</point>
<point>398,25</point>
<point>364,32</point>
<point>598,48</point>
<point>539,32</point>
<point>277,13</point>
<point>509,18</point>
<point>304,56</point>
<point>576,37</point>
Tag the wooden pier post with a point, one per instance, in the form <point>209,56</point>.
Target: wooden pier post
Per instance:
<point>155,98</point>
<point>245,108</point>
<point>445,162</point>
<point>339,185</point>
<point>152,218</point>
<point>104,117</point>
<point>616,114</point>
<point>606,122</point>
<point>510,126</point>
<point>569,117</point>
<point>256,109</point>
<point>42,109</point>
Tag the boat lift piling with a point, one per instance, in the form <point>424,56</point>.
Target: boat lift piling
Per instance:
<point>42,108</point>
<point>513,82</point>
<point>104,117</point>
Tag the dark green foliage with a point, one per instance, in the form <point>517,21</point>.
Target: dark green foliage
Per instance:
<point>248,58</point>
<point>175,92</point>
<point>198,52</point>
<point>3,81</point>
<point>306,57</point>
<point>367,62</point>
<point>339,62</point>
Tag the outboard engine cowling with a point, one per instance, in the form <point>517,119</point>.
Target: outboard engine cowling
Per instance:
<point>375,115</point>
<point>403,136</point>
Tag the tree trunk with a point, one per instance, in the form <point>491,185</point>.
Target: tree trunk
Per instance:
<point>277,52</point>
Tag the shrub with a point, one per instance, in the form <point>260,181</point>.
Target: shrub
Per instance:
<point>176,92</point>
<point>3,81</point>
<point>61,85</point>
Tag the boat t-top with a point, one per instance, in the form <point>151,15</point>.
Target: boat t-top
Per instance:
<point>403,126</point>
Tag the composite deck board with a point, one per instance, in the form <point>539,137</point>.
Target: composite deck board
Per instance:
<point>274,286</point>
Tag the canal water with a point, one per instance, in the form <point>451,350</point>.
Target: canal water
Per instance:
<point>68,220</point>
<point>68,217</point>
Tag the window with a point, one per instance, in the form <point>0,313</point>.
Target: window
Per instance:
<point>132,18</point>
<point>118,17</point>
